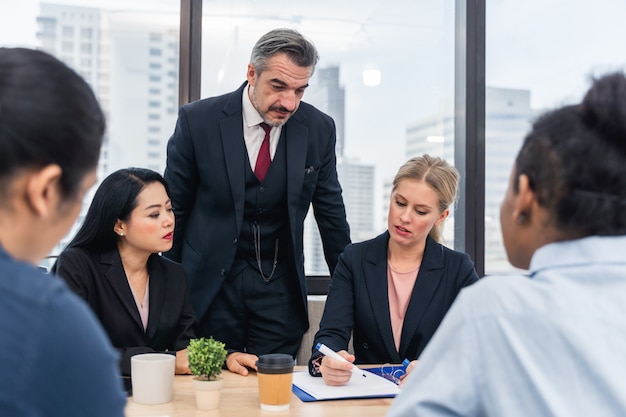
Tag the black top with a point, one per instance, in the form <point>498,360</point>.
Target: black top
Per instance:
<point>99,278</point>
<point>358,302</point>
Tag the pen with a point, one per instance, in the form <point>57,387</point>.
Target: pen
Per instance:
<point>326,351</point>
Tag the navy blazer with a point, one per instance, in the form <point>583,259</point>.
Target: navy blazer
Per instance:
<point>206,159</point>
<point>99,278</point>
<point>358,302</point>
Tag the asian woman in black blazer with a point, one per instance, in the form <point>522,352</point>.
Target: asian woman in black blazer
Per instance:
<point>390,293</point>
<point>113,262</point>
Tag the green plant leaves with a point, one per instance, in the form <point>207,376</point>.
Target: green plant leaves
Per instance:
<point>206,357</point>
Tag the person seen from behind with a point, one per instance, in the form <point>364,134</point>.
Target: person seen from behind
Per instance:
<point>56,359</point>
<point>552,342</point>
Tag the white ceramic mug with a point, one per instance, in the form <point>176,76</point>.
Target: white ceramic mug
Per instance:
<point>152,376</point>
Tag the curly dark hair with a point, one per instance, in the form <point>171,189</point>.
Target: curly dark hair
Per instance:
<point>575,159</point>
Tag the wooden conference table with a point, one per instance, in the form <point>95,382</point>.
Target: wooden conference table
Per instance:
<point>240,397</point>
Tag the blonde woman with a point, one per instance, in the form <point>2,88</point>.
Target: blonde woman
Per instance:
<point>390,293</point>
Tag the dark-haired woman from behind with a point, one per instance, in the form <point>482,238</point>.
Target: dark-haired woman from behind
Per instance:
<point>550,343</point>
<point>113,262</point>
<point>51,130</point>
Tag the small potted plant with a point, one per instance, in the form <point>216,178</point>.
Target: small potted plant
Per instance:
<point>206,358</point>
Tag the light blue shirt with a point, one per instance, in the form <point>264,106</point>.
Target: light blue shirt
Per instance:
<point>549,344</point>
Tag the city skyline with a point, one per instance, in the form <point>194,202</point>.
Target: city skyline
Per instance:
<point>528,49</point>
<point>506,24</point>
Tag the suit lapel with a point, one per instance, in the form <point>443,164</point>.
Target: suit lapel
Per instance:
<point>231,131</point>
<point>114,273</point>
<point>426,284</point>
<point>375,278</point>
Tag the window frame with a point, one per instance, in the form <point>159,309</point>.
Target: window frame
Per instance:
<point>469,114</point>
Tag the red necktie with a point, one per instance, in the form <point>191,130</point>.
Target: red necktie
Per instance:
<point>263,161</point>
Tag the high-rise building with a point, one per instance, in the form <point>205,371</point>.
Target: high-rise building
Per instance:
<point>507,120</point>
<point>72,34</point>
<point>356,179</point>
<point>508,115</point>
<point>143,61</point>
<point>357,182</point>
<point>131,63</point>
<point>329,96</point>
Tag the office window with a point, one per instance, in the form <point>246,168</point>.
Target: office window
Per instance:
<point>46,27</point>
<point>67,46</point>
<point>386,76</point>
<point>110,36</point>
<point>539,55</point>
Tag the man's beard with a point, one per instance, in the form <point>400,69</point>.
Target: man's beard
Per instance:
<point>263,114</point>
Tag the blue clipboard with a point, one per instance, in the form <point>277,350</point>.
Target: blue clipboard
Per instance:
<point>305,397</point>
<point>302,395</point>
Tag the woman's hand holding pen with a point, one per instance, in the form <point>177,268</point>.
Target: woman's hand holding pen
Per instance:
<point>335,372</point>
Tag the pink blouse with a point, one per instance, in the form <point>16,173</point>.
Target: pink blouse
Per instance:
<point>400,287</point>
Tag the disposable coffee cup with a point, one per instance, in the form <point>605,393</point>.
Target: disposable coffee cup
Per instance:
<point>275,374</point>
<point>152,377</point>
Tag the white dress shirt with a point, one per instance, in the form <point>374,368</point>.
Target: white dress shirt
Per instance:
<point>253,133</point>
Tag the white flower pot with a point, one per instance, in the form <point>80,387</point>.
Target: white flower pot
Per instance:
<point>207,392</point>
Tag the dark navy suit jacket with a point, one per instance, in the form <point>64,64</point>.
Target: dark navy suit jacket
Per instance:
<point>99,278</point>
<point>206,159</point>
<point>358,302</point>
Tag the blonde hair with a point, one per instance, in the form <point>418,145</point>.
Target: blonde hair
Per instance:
<point>442,177</point>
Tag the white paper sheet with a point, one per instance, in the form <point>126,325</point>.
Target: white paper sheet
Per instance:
<point>358,387</point>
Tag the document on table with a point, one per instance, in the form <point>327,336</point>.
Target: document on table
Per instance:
<point>309,388</point>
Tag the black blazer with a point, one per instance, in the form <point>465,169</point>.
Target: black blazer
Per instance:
<point>99,278</point>
<point>206,159</point>
<point>358,302</point>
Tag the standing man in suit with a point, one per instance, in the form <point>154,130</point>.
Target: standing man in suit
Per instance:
<point>239,224</point>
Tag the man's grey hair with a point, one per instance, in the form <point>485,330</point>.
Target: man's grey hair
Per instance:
<point>298,49</point>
